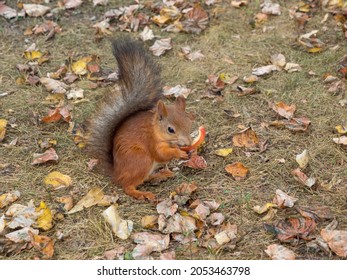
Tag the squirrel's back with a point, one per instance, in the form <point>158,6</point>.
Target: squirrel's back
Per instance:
<point>140,89</point>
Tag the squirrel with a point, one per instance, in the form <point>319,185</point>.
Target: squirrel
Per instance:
<point>133,131</point>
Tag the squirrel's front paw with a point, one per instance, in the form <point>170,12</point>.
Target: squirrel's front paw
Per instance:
<point>184,155</point>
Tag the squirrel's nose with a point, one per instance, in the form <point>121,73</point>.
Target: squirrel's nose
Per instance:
<point>185,141</point>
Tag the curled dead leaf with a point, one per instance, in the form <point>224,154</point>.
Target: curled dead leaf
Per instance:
<point>237,170</point>
<point>49,155</point>
<point>246,138</point>
<point>279,252</point>
<point>284,110</point>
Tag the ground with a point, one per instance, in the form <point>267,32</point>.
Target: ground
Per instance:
<point>230,36</point>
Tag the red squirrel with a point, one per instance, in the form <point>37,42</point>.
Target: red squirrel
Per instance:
<point>133,131</point>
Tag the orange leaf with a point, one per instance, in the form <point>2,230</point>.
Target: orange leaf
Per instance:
<point>246,138</point>
<point>284,110</point>
<point>237,170</point>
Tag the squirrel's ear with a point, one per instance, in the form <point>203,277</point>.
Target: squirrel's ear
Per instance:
<point>181,103</point>
<point>161,109</point>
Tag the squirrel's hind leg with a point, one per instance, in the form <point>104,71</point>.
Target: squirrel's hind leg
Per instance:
<point>131,172</point>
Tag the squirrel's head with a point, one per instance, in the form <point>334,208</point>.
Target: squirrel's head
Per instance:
<point>174,122</point>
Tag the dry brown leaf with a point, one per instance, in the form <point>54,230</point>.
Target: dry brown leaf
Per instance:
<point>167,14</point>
<point>148,243</point>
<point>237,170</point>
<point>196,162</point>
<point>278,60</point>
<point>147,34</point>
<point>283,200</point>
<point>295,124</point>
<point>21,235</point>
<point>262,209</point>
<point>100,2</point>
<point>6,11</point>
<point>279,252</point>
<point>196,20</point>
<point>70,4</point>
<point>149,221</point>
<point>44,244</point>
<point>246,138</point>
<point>216,219</point>
<point>190,55</point>
<point>8,198</point>
<point>167,208</point>
<point>227,234</point>
<point>177,224</point>
<point>341,140</point>
<point>239,3</point>
<point>121,228</point>
<point>303,178</point>
<point>116,253</point>
<point>54,86</point>
<point>292,228</point>
<point>21,216</point>
<point>66,201</point>
<point>201,212</point>
<point>337,241</point>
<point>292,67</point>
<point>186,189</point>
<point>35,10</point>
<point>161,46</point>
<point>250,79</point>
<point>284,110</point>
<point>270,8</point>
<point>57,114</point>
<point>244,91</point>
<point>168,256</point>
<point>318,213</point>
<point>49,155</point>
<point>264,70</point>
<point>176,91</point>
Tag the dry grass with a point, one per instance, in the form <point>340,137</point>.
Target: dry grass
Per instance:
<point>229,35</point>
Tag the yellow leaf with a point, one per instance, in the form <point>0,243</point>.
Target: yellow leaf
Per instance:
<point>79,67</point>
<point>223,152</point>
<point>57,180</point>
<point>8,198</point>
<point>3,124</point>
<point>314,50</point>
<point>32,55</point>
<point>93,197</point>
<point>339,128</point>
<point>44,221</point>
<point>264,208</point>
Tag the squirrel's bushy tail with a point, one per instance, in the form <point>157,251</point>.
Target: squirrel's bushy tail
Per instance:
<point>140,84</point>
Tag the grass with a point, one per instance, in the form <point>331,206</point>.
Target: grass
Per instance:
<point>228,36</point>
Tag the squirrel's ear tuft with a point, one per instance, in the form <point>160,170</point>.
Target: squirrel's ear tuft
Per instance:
<point>181,103</point>
<point>161,109</point>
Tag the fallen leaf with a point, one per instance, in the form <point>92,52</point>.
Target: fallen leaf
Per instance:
<point>201,212</point>
<point>93,197</point>
<point>283,200</point>
<point>278,60</point>
<point>341,129</point>
<point>35,10</point>
<point>264,70</point>
<point>147,34</point>
<point>318,213</point>
<point>341,140</point>
<point>167,208</point>
<point>21,216</point>
<point>161,46</point>
<point>262,209</point>
<point>186,189</point>
<point>57,180</point>
<point>75,93</point>
<point>196,162</point>
<point>246,138</point>
<point>239,3</point>
<point>279,252</point>
<point>168,256</point>
<point>33,55</point>
<point>167,14</point>
<point>302,159</point>
<point>270,8</point>
<point>6,11</point>
<point>3,124</point>
<point>66,201</point>
<point>292,67</point>
<point>177,224</point>
<point>216,219</point>
<point>223,152</point>
<point>100,2</point>
<point>121,228</point>
<point>45,219</point>
<point>250,79</point>
<point>148,243</point>
<point>196,20</point>
<point>117,253</point>
<point>8,198</point>
<point>58,113</point>
<point>190,55</point>
<point>176,91</point>
<point>44,244</point>
<point>261,18</point>
<point>49,155</point>
<point>237,170</point>
<point>337,241</point>
<point>243,91</point>
<point>149,221</point>
<point>70,4</point>
<point>54,86</point>
<point>21,235</point>
<point>2,224</point>
<point>295,124</point>
<point>284,110</point>
<point>303,179</point>
<point>227,234</point>
<point>292,228</point>
<point>270,215</point>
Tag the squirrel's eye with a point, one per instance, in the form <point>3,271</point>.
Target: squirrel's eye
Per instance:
<point>171,130</point>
